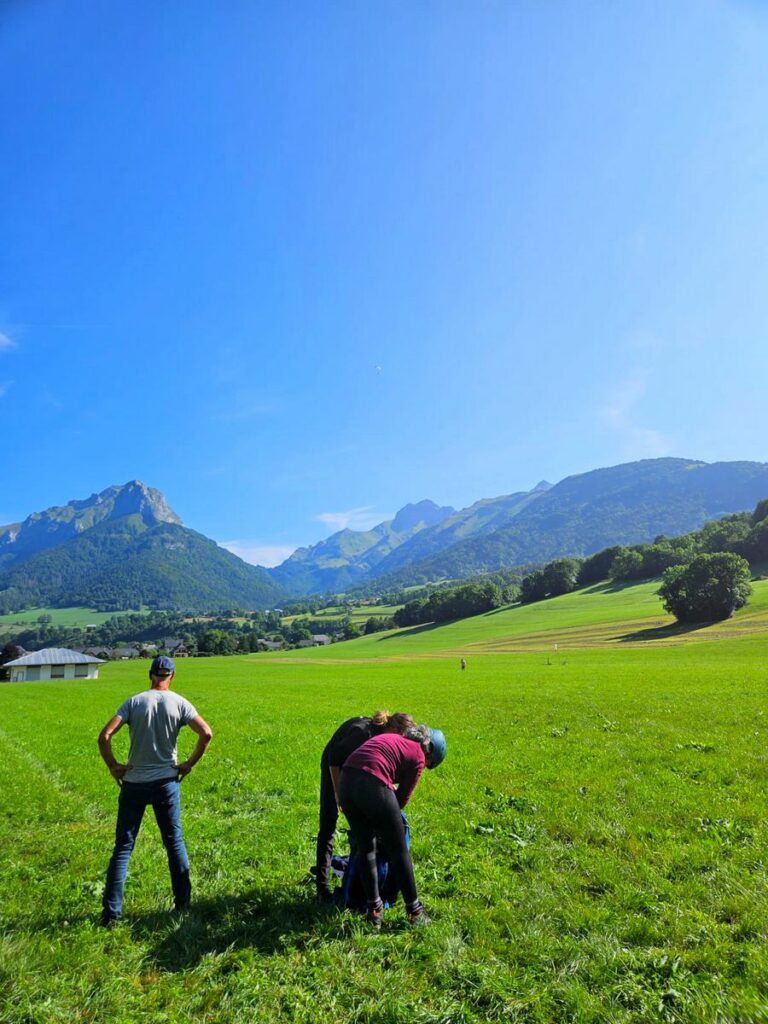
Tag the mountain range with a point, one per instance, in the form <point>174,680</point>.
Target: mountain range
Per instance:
<point>125,547</point>
<point>626,504</point>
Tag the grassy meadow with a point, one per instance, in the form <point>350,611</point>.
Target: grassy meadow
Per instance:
<point>594,847</point>
<point>59,617</point>
<point>359,613</point>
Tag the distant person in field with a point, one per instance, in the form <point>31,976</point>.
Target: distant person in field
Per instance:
<point>463,664</point>
<point>373,807</point>
<point>347,738</point>
<point>151,778</point>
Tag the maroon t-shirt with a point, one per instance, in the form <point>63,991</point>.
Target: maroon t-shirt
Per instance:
<point>392,759</point>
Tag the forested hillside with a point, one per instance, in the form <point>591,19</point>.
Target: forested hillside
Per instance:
<point>627,504</point>
<point>123,548</point>
<point>124,564</point>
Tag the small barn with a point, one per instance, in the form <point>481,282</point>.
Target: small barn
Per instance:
<point>53,663</point>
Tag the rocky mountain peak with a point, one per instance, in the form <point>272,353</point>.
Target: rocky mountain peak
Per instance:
<point>421,512</point>
<point>56,525</point>
<point>136,498</point>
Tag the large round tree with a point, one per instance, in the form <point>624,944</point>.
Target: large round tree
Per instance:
<point>708,589</point>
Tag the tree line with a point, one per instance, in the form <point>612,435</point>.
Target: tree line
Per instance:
<point>705,574</point>
<point>234,631</point>
<point>457,602</point>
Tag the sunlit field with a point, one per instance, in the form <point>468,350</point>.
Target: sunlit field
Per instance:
<point>357,613</point>
<point>59,617</point>
<point>594,847</point>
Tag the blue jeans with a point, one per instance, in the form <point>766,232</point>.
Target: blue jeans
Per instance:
<point>164,797</point>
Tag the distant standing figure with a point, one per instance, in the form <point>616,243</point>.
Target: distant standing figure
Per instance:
<point>151,779</point>
<point>347,738</point>
<point>463,664</point>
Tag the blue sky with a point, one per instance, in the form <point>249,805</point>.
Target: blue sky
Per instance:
<point>297,265</point>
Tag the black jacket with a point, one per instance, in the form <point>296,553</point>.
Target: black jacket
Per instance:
<point>348,737</point>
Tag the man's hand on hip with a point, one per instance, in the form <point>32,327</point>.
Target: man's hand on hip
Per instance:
<point>183,769</point>
<point>117,771</point>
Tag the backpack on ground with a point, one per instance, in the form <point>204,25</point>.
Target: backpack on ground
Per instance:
<point>350,895</point>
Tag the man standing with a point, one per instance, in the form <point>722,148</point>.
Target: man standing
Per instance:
<point>151,778</point>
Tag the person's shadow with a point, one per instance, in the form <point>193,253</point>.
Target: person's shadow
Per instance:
<point>260,920</point>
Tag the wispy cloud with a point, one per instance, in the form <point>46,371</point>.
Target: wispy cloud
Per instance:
<point>5,387</point>
<point>259,554</point>
<point>363,518</point>
<point>6,343</point>
<point>619,414</point>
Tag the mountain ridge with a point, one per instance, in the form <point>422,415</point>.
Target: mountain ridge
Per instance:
<point>60,523</point>
<point>348,554</point>
<point>632,503</point>
<point>123,548</point>
<point>624,504</point>
<point>126,546</point>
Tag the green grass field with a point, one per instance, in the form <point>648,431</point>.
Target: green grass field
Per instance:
<point>620,616</point>
<point>358,613</point>
<point>59,616</point>
<point>594,847</point>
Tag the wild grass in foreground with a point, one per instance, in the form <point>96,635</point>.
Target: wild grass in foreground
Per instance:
<point>593,848</point>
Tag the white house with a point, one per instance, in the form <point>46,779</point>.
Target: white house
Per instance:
<point>53,663</point>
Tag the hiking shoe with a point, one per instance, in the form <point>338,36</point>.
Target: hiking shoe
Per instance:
<point>374,917</point>
<point>419,918</point>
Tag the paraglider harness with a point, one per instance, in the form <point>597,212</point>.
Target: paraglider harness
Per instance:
<point>350,895</point>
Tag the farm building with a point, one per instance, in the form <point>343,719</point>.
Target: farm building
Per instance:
<point>53,663</point>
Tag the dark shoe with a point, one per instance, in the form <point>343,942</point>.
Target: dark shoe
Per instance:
<point>108,921</point>
<point>325,898</point>
<point>419,918</point>
<point>374,917</point>
<point>181,908</point>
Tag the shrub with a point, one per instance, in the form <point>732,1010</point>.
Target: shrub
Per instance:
<point>708,589</point>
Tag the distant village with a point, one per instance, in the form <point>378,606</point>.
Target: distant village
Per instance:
<point>176,648</point>
<point>20,666</point>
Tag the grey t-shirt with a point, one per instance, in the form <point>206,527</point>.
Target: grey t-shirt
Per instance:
<point>154,718</point>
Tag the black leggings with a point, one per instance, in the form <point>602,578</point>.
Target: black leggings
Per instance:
<point>372,810</point>
<point>328,817</point>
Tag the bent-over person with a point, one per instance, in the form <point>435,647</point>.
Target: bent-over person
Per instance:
<point>347,738</point>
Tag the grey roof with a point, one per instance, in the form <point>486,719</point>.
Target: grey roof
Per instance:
<point>54,656</point>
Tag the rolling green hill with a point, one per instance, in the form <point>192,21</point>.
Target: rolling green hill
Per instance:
<point>74,616</point>
<point>601,616</point>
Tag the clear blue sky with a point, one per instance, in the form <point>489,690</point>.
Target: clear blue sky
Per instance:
<point>299,264</point>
